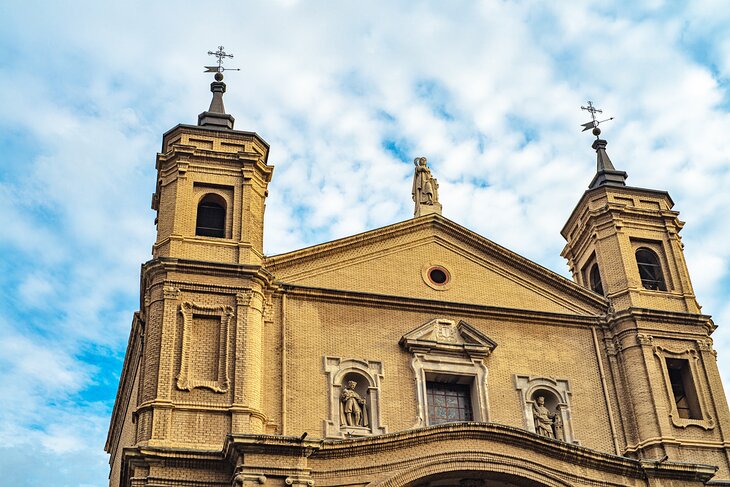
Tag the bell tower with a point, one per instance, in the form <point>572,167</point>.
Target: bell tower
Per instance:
<point>211,189</point>
<point>623,242</point>
<point>205,291</point>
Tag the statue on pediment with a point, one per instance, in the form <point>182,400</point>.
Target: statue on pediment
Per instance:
<point>424,190</point>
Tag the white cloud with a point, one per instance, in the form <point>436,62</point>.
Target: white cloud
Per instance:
<point>489,92</point>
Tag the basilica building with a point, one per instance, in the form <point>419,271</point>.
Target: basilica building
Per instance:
<point>418,354</point>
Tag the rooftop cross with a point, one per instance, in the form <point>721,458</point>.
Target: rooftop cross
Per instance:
<point>593,124</point>
<point>221,55</point>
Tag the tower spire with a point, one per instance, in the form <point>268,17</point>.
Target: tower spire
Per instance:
<point>216,115</point>
<point>606,173</point>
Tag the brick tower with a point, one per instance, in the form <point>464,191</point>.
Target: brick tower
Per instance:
<point>623,242</point>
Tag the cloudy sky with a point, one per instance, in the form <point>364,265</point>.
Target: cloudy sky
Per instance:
<point>347,94</point>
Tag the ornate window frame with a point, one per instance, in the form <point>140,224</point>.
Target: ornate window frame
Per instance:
<point>442,348</point>
<point>336,369</point>
<point>693,360</point>
<point>528,385</point>
<point>225,313</point>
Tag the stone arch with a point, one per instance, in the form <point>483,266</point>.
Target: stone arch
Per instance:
<point>486,467</point>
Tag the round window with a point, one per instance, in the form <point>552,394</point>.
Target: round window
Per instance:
<point>438,276</point>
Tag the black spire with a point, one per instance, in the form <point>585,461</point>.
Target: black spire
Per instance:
<point>216,115</point>
<point>606,174</point>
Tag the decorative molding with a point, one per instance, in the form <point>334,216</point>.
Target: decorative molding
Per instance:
<point>247,479</point>
<point>298,480</point>
<point>170,292</point>
<point>644,339</point>
<point>449,338</point>
<point>529,387</point>
<point>338,371</point>
<point>243,298</point>
<point>441,347</point>
<point>705,345</point>
<point>185,380</point>
<point>694,361</point>
<point>268,309</point>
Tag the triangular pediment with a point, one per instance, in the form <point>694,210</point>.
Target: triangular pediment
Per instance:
<point>395,261</point>
<point>442,336</point>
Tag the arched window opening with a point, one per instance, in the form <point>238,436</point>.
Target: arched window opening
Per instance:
<point>595,278</point>
<point>211,219</point>
<point>650,270</point>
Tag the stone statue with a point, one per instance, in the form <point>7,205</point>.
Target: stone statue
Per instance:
<point>425,186</point>
<point>353,410</point>
<point>544,419</point>
<point>425,189</point>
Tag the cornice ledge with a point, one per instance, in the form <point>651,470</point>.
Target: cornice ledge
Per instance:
<point>274,444</point>
<point>449,227</point>
<point>147,453</point>
<point>574,454</point>
<point>678,470</point>
<point>399,302</point>
<point>210,268</point>
<point>659,315</point>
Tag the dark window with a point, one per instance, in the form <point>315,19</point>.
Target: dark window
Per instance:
<point>438,275</point>
<point>211,220</point>
<point>650,270</point>
<point>448,403</point>
<point>595,277</point>
<point>683,389</point>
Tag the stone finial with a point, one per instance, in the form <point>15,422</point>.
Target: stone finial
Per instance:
<point>424,190</point>
<point>216,115</point>
<point>606,174</point>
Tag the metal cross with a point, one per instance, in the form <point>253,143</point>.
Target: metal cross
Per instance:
<point>590,108</point>
<point>220,54</point>
<point>593,124</point>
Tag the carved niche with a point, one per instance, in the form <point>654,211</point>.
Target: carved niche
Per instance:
<point>204,354</point>
<point>692,382</point>
<point>354,397</point>
<point>545,405</point>
<point>444,350</point>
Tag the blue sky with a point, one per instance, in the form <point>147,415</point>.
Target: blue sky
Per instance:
<point>347,94</point>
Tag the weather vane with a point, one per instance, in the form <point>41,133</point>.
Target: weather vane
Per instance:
<point>593,124</point>
<point>218,70</point>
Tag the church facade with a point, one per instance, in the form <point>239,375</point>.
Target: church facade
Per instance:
<point>417,354</point>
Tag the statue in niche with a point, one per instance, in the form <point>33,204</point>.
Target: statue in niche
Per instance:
<point>544,419</point>
<point>353,410</point>
<point>425,186</point>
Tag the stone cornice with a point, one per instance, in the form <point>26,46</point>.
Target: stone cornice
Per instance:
<point>442,307</point>
<point>222,134</point>
<point>662,316</point>
<point>171,264</point>
<point>126,381</point>
<point>452,229</point>
<point>488,432</point>
<point>614,189</point>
